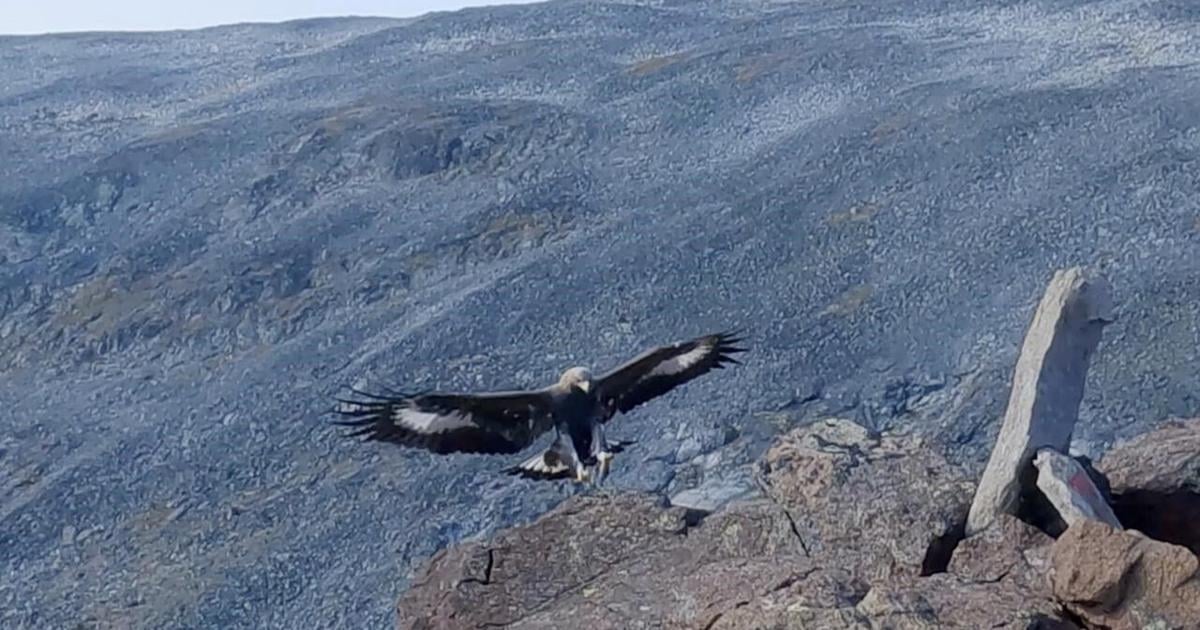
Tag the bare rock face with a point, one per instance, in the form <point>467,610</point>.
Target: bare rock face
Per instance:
<point>950,601</point>
<point>850,527</point>
<point>1164,460</point>
<point>994,580</point>
<point>881,505</point>
<point>1155,482</point>
<point>1123,580</point>
<point>524,568</point>
<point>1008,550</point>
<point>613,562</point>
<point>813,602</point>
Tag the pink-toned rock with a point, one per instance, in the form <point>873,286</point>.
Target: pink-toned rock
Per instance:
<point>1070,490</point>
<point>621,562</point>
<point>1047,387</point>
<point>949,601</point>
<point>879,505</point>
<point>1166,459</point>
<point>1009,549</point>
<point>1122,580</point>
<point>521,569</point>
<point>1154,480</point>
<point>850,525</point>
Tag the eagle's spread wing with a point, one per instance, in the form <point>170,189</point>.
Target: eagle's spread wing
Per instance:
<point>492,422</point>
<point>659,370</point>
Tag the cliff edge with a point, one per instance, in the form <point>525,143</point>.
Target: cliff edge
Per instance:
<point>851,530</point>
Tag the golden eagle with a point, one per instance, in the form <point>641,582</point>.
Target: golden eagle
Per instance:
<point>576,407</point>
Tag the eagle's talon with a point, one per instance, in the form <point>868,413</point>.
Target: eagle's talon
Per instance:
<point>582,475</point>
<point>603,465</point>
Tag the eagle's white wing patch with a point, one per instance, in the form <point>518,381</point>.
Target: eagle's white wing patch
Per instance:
<point>682,362</point>
<point>429,422</point>
<point>546,463</point>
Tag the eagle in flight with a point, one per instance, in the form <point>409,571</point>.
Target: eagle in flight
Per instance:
<point>577,408</point>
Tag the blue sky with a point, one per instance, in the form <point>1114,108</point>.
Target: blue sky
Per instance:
<point>48,16</point>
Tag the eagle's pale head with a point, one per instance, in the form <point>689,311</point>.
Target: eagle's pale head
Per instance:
<point>578,378</point>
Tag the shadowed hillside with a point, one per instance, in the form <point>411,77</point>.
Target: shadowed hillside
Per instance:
<point>205,234</point>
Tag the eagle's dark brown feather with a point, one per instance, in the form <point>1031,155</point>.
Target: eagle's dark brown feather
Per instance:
<point>497,422</point>
<point>659,370</point>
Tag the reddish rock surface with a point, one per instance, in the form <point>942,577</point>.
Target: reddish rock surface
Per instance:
<point>1164,460</point>
<point>951,601</point>
<point>1155,482</point>
<point>618,562</point>
<point>1009,549</point>
<point>854,531</point>
<point>1125,581</point>
<point>850,523</point>
<point>878,505</point>
<point>1070,491</point>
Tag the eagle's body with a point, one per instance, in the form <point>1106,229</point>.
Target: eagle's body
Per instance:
<point>576,408</point>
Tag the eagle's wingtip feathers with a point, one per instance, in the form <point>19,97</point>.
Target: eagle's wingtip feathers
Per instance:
<point>727,346</point>
<point>727,340</point>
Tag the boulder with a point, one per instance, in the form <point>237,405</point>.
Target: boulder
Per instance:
<point>950,601</point>
<point>938,601</point>
<point>1069,489</point>
<point>1166,459</point>
<point>523,568</point>
<point>1122,580</point>
<point>1009,549</point>
<point>994,579</point>
<point>880,505</point>
<point>819,600</point>
<point>624,561</point>
<point>1154,480</point>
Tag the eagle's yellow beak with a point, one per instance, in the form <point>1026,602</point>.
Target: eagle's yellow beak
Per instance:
<point>585,386</point>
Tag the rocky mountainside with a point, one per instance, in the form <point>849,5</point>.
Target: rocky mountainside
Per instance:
<point>205,234</point>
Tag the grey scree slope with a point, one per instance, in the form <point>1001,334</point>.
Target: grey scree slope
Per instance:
<point>203,234</point>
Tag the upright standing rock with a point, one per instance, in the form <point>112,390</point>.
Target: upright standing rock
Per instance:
<point>1047,388</point>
